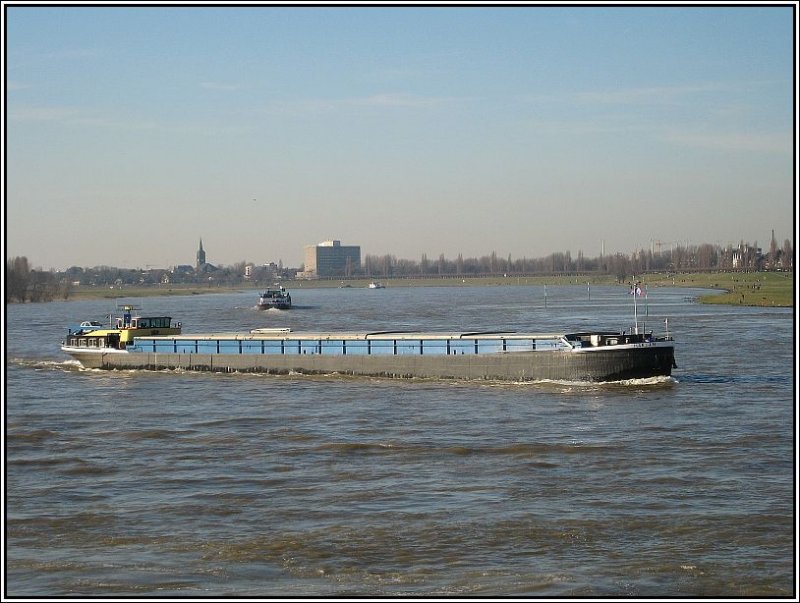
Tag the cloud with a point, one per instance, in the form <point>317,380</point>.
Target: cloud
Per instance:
<point>76,117</point>
<point>760,142</point>
<point>71,54</point>
<point>13,86</point>
<point>219,86</point>
<point>393,100</point>
<point>648,94</point>
<point>72,116</point>
<point>398,100</point>
<point>28,113</point>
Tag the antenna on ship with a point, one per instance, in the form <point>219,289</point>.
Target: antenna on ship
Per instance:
<point>635,291</point>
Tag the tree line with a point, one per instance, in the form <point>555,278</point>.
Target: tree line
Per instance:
<point>26,284</point>
<point>679,258</point>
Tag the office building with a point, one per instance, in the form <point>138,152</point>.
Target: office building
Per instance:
<point>331,258</point>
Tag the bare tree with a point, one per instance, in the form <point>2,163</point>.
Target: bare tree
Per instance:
<point>787,255</point>
<point>18,275</point>
<point>706,256</point>
<point>773,252</point>
<point>424,264</point>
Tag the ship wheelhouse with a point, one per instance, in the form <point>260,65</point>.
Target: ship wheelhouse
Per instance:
<point>121,335</point>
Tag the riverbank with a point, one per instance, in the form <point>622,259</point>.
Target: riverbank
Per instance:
<point>738,288</point>
<point>764,289</point>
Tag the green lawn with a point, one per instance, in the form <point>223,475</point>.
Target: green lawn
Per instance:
<point>741,288</point>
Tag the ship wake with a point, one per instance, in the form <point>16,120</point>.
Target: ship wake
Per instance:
<point>640,382</point>
<point>47,365</point>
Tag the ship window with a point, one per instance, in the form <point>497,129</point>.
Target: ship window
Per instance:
<point>228,346</point>
<point>163,346</point>
<point>519,345</point>
<point>309,346</point>
<point>407,346</point>
<point>272,347</point>
<point>357,347</point>
<point>434,346</point>
<point>292,346</point>
<point>460,346</point>
<point>251,347</point>
<point>490,346</point>
<point>206,346</point>
<point>334,347</point>
<point>381,347</point>
<point>185,347</point>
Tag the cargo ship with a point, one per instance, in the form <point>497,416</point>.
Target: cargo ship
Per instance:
<point>155,343</point>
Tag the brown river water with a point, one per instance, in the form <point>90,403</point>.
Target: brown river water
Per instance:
<point>181,484</point>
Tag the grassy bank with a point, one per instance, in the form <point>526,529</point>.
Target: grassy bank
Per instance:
<point>750,289</point>
<point>146,291</point>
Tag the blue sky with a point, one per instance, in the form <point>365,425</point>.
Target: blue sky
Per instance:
<point>131,132</point>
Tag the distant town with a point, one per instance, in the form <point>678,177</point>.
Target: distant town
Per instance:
<point>333,260</point>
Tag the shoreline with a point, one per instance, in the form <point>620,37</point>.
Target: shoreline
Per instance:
<point>761,289</point>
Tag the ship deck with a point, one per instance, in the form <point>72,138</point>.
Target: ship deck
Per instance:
<point>280,334</point>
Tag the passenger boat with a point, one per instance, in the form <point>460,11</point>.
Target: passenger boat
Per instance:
<point>154,343</point>
<point>376,285</point>
<point>275,298</point>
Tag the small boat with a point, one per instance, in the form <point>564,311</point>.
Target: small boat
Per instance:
<point>376,285</point>
<point>264,330</point>
<point>275,298</point>
<point>86,326</point>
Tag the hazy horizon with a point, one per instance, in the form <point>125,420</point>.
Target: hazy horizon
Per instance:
<point>132,132</point>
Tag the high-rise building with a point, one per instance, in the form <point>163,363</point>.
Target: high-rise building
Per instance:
<point>331,258</point>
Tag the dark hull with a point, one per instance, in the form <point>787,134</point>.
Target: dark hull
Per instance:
<point>277,306</point>
<point>598,365</point>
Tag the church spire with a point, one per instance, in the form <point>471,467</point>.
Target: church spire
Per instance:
<point>201,255</point>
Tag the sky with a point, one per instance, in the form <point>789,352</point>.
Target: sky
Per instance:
<point>131,132</point>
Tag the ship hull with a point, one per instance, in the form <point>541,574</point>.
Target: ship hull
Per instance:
<point>283,306</point>
<point>608,364</point>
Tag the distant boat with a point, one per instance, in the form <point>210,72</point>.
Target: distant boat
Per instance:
<point>275,298</point>
<point>376,285</point>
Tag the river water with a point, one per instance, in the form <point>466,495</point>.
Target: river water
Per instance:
<point>166,484</point>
